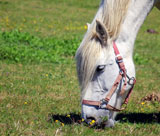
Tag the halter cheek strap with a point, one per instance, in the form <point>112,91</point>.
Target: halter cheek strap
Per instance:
<point>122,74</point>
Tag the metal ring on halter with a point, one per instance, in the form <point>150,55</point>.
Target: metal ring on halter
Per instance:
<point>131,80</point>
<point>119,61</point>
<point>102,102</point>
<point>122,76</point>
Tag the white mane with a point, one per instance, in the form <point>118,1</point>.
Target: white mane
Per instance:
<point>112,14</point>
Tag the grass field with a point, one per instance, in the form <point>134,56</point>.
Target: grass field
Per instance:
<point>39,92</point>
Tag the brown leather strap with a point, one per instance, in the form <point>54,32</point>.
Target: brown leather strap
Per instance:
<point>109,107</point>
<point>121,75</point>
<point>129,94</point>
<point>93,103</point>
<point>114,87</point>
<point>122,66</point>
<point>98,103</point>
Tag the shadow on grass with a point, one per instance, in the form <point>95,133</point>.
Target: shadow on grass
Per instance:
<point>139,117</point>
<point>122,117</point>
<point>66,119</point>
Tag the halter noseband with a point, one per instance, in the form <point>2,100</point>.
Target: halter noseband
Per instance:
<point>122,74</point>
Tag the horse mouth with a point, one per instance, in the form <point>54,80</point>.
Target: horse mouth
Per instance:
<point>100,123</point>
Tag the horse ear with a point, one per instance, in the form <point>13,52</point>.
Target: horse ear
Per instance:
<point>101,32</point>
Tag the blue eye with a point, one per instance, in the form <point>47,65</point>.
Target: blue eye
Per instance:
<point>100,68</point>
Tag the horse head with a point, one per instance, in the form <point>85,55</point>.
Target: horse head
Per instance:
<point>104,59</point>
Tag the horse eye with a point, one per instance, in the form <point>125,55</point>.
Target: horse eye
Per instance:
<point>100,68</point>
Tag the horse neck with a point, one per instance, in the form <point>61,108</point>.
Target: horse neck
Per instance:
<point>137,12</point>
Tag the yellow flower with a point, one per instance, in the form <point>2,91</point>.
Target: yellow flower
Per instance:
<point>50,26</point>
<point>24,20</point>
<point>93,121</point>
<point>20,29</point>
<point>34,22</point>
<point>85,27</point>
<point>7,20</point>
<point>56,121</point>
<point>46,75</point>
<point>68,116</point>
<point>67,28</point>
<point>82,119</point>
<point>25,103</point>
<point>62,124</point>
<point>142,103</point>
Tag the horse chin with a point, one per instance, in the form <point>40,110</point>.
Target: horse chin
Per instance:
<point>109,123</point>
<point>103,124</point>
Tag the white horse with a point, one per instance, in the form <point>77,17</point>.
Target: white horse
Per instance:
<point>106,82</point>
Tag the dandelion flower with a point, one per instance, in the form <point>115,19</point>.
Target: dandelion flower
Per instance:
<point>66,28</point>
<point>142,103</point>
<point>25,103</point>
<point>56,121</point>
<point>46,75</point>
<point>34,22</point>
<point>20,29</point>
<point>62,124</point>
<point>82,120</point>
<point>85,27</point>
<point>6,20</point>
<point>68,116</point>
<point>93,121</point>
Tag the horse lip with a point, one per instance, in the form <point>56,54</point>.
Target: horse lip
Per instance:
<point>99,122</point>
<point>105,123</point>
<point>109,123</point>
<point>102,123</point>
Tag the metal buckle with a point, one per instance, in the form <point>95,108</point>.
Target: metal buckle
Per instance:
<point>119,61</point>
<point>102,102</point>
<point>131,81</point>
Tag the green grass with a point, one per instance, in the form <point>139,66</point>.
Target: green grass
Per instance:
<point>56,18</point>
<point>22,47</point>
<point>38,82</point>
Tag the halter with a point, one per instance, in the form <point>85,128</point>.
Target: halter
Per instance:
<point>122,75</point>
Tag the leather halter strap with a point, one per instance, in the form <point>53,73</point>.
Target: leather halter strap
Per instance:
<point>122,74</point>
